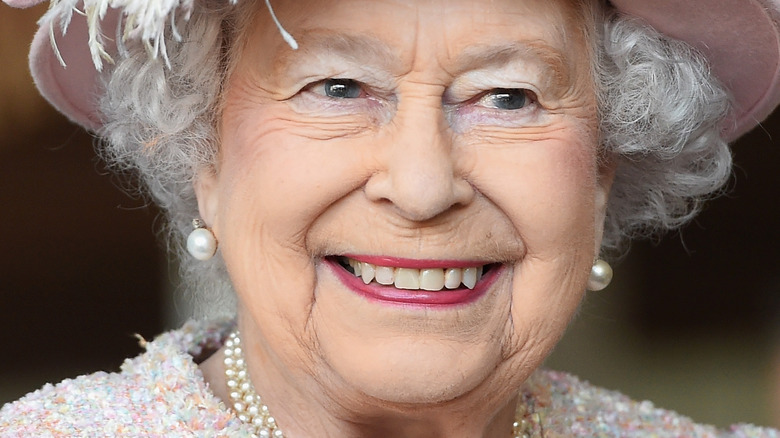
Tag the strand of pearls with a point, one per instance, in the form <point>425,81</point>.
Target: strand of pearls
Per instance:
<point>525,422</point>
<point>251,410</point>
<point>248,405</point>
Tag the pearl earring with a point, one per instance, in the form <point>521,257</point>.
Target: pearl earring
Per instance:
<point>600,275</point>
<point>201,243</point>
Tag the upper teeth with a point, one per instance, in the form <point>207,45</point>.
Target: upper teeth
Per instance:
<point>432,279</point>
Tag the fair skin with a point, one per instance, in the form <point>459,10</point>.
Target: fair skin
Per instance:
<point>459,134</point>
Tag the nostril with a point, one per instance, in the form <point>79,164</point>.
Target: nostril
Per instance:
<point>463,191</point>
<point>419,197</point>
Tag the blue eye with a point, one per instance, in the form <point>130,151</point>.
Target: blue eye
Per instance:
<point>506,98</point>
<point>341,88</point>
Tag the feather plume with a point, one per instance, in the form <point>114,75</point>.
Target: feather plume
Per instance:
<point>140,20</point>
<point>143,20</point>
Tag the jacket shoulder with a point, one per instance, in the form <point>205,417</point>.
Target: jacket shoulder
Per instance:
<point>96,404</point>
<point>159,393</point>
<point>570,407</point>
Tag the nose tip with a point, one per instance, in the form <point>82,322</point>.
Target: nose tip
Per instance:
<point>422,194</point>
<point>419,174</point>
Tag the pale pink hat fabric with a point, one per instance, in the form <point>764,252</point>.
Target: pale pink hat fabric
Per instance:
<point>740,38</point>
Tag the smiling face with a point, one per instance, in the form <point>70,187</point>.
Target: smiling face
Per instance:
<point>408,205</point>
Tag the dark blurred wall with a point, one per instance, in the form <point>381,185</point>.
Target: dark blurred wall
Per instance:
<point>80,269</point>
<point>721,273</point>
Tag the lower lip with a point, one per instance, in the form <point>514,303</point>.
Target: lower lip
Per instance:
<point>421,298</point>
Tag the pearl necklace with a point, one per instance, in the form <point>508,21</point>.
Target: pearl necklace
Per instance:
<point>248,405</point>
<point>251,410</point>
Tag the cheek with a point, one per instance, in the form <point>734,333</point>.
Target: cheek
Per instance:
<point>274,182</point>
<point>291,172</point>
<point>546,188</point>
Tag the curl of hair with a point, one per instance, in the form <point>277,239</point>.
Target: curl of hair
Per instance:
<point>660,113</point>
<point>660,110</point>
<point>161,126</point>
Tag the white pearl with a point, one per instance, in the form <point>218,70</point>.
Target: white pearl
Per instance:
<point>600,275</point>
<point>246,402</point>
<point>201,244</point>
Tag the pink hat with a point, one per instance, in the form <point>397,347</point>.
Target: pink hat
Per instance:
<point>740,38</point>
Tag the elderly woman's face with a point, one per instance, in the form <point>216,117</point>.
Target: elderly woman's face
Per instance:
<point>363,177</point>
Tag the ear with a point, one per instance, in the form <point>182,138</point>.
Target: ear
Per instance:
<point>606,176</point>
<point>207,193</point>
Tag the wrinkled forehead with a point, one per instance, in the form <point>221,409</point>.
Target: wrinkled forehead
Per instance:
<point>393,31</point>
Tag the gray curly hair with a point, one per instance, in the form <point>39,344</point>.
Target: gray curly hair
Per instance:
<point>660,113</point>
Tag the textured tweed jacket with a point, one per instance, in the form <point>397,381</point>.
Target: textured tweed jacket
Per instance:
<point>161,393</point>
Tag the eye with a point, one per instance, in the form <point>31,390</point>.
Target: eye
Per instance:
<point>506,98</point>
<point>338,88</point>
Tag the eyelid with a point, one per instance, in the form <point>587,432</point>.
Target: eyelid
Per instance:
<point>475,82</point>
<point>471,113</point>
<point>315,104</point>
<point>375,90</point>
<point>320,71</point>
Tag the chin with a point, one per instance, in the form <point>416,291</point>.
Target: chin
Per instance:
<point>425,372</point>
<point>411,353</point>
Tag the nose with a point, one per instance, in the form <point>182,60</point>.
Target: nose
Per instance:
<point>418,174</point>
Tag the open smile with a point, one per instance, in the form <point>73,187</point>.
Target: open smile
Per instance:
<point>415,281</point>
<point>431,279</point>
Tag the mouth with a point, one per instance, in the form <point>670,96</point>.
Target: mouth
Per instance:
<point>415,281</point>
<point>430,279</point>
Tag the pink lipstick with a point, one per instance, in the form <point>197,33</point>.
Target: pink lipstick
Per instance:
<point>417,297</point>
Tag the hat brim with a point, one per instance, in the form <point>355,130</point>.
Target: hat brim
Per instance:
<point>740,38</point>
<point>74,88</point>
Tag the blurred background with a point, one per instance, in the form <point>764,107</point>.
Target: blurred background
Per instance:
<point>691,322</point>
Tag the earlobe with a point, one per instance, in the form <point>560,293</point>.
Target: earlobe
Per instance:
<point>207,194</point>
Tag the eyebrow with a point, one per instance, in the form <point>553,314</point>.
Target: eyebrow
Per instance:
<point>479,57</point>
<point>359,49</point>
<point>370,50</point>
